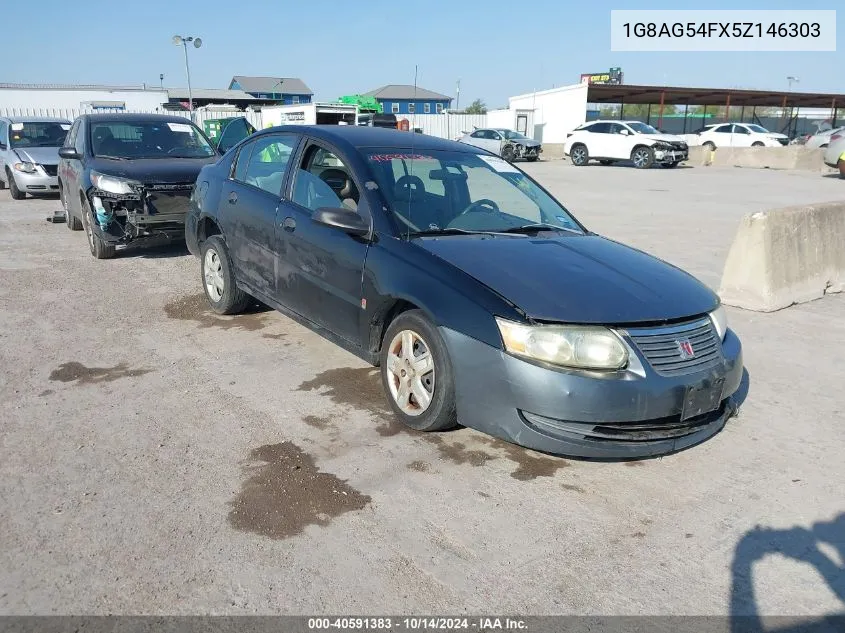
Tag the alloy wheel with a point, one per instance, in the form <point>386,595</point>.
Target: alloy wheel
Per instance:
<point>641,157</point>
<point>578,155</point>
<point>213,275</point>
<point>410,367</point>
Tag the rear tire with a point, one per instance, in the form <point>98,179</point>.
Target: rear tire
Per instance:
<point>579,155</point>
<point>17,194</point>
<point>99,248</point>
<point>71,220</point>
<point>710,145</point>
<point>415,360</point>
<point>218,278</point>
<point>642,157</point>
<point>757,144</point>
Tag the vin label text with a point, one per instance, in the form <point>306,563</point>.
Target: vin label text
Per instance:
<point>723,30</point>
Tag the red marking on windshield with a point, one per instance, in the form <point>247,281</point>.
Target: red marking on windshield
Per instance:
<point>380,158</point>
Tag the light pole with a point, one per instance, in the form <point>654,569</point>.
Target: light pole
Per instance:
<point>183,41</point>
<point>792,80</point>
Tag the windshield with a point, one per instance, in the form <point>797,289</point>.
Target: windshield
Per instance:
<point>757,128</point>
<point>438,191</point>
<point>510,134</point>
<point>642,128</point>
<point>38,134</point>
<point>148,139</point>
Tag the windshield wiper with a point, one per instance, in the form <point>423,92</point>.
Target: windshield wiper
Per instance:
<point>112,157</point>
<point>448,231</point>
<point>539,226</point>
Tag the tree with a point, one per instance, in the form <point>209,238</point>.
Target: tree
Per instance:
<point>477,107</point>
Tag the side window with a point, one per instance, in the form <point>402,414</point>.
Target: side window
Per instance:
<point>741,129</point>
<point>268,162</point>
<point>723,129</point>
<point>242,162</point>
<point>323,180</point>
<point>79,139</point>
<point>599,128</point>
<point>478,134</point>
<point>616,128</point>
<point>3,132</point>
<point>495,136</point>
<point>70,141</point>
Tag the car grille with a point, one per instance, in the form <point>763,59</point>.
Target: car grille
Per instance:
<point>662,347</point>
<point>50,170</point>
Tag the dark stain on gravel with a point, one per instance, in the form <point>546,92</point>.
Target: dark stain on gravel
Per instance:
<point>638,535</point>
<point>275,337</point>
<point>195,308</point>
<point>573,488</point>
<point>73,371</point>
<point>634,464</point>
<point>360,388</point>
<point>46,392</point>
<point>317,422</point>
<point>286,492</point>
<point>420,466</point>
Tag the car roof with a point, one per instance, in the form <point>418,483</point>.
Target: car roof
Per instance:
<point>126,117</point>
<point>359,136</point>
<point>34,119</point>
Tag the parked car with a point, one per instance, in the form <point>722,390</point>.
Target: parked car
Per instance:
<point>739,135</point>
<point>29,154</point>
<point>612,141</point>
<point>822,139</point>
<point>508,144</point>
<point>483,300</point>
<point>834,155</point>
<point>129,176</point>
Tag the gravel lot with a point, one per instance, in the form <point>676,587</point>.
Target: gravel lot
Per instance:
<point>157,459</point>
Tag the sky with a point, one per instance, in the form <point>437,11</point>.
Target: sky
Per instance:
<point>495,49</point>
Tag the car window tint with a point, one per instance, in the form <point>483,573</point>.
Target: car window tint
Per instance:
<point>478,134</point>
<point>268,162</point>
<point>323,180</point>
<point>403,167</point>
<point>740,129</point>
<point>599,128</point>
<point>723,129</point>
<point>70,141</point>
<point>79,142</point>
<point>3,133</point>
<point>485,183</point>
<point>242,162</point>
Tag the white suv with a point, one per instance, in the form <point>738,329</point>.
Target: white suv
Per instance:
<point>739,135</point>
<point>612,141</point>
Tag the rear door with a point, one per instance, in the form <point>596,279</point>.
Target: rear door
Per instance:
<point>320,277</point>
<point>249,203</point>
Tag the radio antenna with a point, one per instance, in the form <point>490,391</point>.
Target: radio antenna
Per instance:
<point>413,134</point>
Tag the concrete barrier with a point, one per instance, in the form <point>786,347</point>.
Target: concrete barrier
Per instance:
<point>786,256</point>
<point>789,157</point>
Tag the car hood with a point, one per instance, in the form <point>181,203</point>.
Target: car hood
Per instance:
<point>576,279</point>
<point>668,138</point>
<point>527,142</point>
<point>40,155</point>
<point>775,135</point>
<point>154,170</point>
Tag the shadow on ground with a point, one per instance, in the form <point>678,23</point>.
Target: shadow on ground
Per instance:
<point>806,545</point>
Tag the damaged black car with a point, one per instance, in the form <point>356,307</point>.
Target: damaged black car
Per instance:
<point>125,177</point>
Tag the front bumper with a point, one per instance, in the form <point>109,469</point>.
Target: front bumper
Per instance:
<point>627,414</point>
<point>671,156</point>
<point>38,182</point>
<point>155,211</point>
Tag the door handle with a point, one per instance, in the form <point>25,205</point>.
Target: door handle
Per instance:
<point>289,224</point>
<point>233,197</point>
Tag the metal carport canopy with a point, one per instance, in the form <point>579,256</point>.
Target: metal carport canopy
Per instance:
<point>628,94</point>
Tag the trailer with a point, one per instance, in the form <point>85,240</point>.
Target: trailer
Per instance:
<point>310,114</point>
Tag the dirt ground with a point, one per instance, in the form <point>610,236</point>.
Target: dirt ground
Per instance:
<point>158,459</point>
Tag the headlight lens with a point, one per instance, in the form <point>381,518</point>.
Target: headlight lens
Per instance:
<point>27,168</point>
<point>720,321</point>
<point>584,347</point>
<point>110,184</point>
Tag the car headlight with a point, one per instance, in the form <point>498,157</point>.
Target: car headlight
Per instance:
<point>720,321</point>
<point>111,184</point>
<point>27,168</point>
<point>583,347</point>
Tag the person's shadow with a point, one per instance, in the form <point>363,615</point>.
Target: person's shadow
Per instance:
<point>800,544</point>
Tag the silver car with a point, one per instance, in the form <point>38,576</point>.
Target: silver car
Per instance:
<point>822,139</point>
<point>29,154</point>
<point>508,144</point>
<point>834,155</point>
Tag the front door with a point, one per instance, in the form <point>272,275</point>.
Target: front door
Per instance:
<point>249,203</point>
<point>320,276</point>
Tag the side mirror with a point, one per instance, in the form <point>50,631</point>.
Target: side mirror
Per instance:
<point>344,219</point>
<point>70,153</point>
<point>624,132</point>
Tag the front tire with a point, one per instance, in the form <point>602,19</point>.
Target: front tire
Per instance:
<point>642,157</point>
<point>218,278</point>
<point>99,248</point>
<point>757,144</point>
<point>417,375</point>
<point>579,155</point>
<point>17,194</point>
<point>710,145</point>
<point>508,153</point>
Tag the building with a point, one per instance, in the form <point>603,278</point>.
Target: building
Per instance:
<point>39,98</point>
<point>403,99</point>
<point>178,99</point>
<point>279,90</point>
<point>548,115</point>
